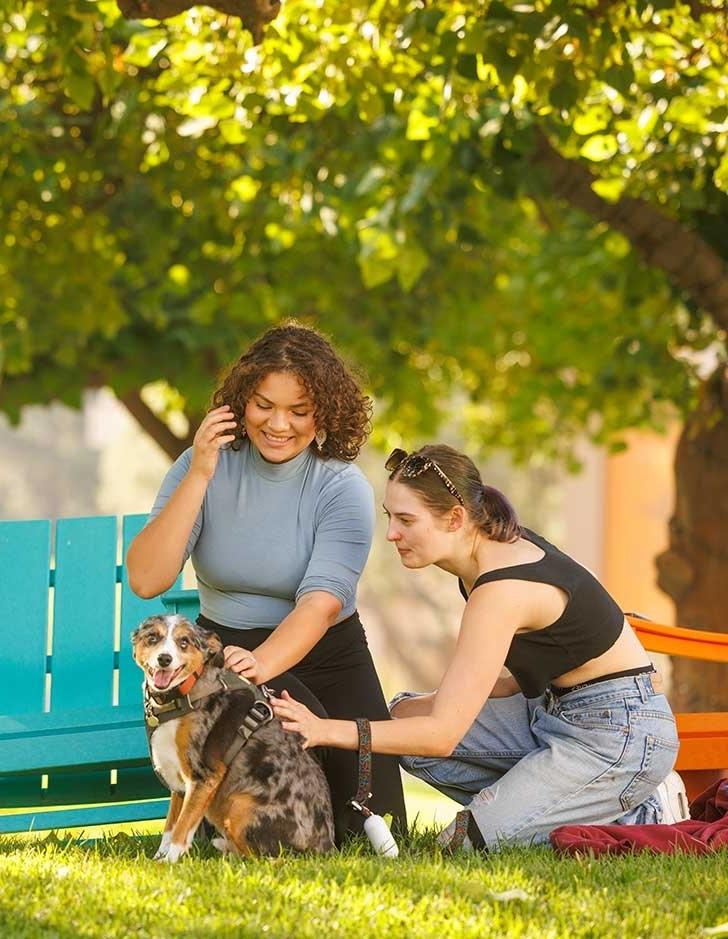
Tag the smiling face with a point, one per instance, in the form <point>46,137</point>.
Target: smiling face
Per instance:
<point>279,417</point>
<point>420,536</point>
<point>169,649</point>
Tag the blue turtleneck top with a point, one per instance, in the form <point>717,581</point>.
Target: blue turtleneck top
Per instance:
<point>267,533</point>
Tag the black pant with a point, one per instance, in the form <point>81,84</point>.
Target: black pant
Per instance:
<point>337,679</point>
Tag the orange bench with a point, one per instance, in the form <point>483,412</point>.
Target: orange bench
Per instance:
<point>703,754</point>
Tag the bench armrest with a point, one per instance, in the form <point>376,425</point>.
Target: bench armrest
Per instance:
<point>678,640</point>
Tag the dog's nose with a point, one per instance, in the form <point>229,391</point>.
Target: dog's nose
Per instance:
<point>164,659</point>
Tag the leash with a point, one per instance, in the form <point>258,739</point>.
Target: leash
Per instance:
<point>376,829</point>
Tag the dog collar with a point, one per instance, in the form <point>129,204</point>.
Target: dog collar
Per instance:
<point>189,683</point>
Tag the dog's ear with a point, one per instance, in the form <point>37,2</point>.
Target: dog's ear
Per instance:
<point>213,649</point>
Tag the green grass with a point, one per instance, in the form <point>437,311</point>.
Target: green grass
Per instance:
<point>71,887</point>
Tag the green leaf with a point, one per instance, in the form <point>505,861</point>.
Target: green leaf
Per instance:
<point>594,119</point>
<point>145,46</point>
<point>81,89</point>
<point>599,147</point>
<point>609,189</point>
<point>720,176</point>
<point>467,66</point>
<point>421,182</point>
<point>411,262</point>
<point>620,77</point>
<point>564,95</point>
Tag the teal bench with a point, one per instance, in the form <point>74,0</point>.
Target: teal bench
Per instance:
<point>73,749</point>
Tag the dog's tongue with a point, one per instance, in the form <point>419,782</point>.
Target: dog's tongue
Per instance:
<point>162,677</point>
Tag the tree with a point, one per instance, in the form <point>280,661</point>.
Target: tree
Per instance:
<point>523,203</point>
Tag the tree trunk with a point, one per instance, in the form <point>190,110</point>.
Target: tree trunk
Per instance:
<point>693,569</point>
<point>155,427</point>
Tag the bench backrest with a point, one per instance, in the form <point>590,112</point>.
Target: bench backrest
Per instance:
<point>66,615</point>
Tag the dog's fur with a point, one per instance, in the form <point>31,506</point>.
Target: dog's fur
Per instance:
<point>274,794</point>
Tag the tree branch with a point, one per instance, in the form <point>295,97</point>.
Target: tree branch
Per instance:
<point>154,426</point>
<point>254,14</point>
<point>689,261</point>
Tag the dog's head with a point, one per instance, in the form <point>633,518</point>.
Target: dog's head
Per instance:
<point>170,648</point>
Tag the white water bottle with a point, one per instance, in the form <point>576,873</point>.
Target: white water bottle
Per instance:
<point>380,836</point>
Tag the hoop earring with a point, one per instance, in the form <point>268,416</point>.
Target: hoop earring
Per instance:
<point>320,439</point>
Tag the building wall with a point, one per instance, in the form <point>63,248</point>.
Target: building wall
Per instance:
<point>639,495</point>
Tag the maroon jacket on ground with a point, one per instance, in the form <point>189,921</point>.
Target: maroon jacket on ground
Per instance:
<point>706,831</point>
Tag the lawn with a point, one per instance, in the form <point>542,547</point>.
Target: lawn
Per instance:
<point>81,887</point>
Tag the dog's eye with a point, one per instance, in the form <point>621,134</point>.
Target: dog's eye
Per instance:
<point>183,643</point>
<point>151,640</point>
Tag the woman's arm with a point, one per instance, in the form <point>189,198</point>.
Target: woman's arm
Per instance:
<point>421,704</point>
<point>156,555</point>
<point>297,634</point>
<point>492,615</point>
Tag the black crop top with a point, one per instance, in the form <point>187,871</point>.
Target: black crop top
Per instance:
<point>590,624</point>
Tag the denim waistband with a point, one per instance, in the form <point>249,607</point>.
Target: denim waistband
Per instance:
<point>636,685</point>
<point>625,673</point>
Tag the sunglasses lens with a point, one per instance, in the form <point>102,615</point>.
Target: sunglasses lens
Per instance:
<point>395,459</point>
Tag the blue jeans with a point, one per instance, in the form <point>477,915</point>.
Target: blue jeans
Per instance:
<point>528,765</point>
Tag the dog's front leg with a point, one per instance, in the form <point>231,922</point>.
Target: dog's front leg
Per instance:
<point>175,806</point>
<point>196,800</point>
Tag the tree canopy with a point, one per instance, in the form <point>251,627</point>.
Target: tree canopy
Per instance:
<point>511,214</point>
<point>394,173</point>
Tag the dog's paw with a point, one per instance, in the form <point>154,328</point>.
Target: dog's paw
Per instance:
<point>221,844</point>
<point>163,847</point>
<point>174,853</point>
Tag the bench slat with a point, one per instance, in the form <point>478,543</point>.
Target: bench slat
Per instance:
<point>133,610</point>
<point>84,608</point>
<point>99,747</point>
<point>84,817</point>
<point>25,550</point>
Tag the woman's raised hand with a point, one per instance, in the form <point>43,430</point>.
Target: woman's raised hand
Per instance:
<point>296,717</point>
<point>213,432</point>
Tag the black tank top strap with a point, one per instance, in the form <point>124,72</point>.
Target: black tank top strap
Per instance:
<point>547,570</point>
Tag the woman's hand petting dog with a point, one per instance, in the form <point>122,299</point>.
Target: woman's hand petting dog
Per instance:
<point>242,662</point>
<point>296,717</point>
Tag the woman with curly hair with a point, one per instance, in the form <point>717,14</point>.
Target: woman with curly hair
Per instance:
<point>279,522</point>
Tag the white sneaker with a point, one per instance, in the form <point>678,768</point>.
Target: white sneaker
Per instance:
<point>673,799</point>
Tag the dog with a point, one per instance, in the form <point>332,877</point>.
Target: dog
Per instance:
<point>217,747</point>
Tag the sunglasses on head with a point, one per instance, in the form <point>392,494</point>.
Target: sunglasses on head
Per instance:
<point>411,465</point>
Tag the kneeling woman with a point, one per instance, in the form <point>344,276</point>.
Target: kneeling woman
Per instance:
<point>572,730</point>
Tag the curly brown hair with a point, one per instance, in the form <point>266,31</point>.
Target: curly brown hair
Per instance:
<point>340,406</point>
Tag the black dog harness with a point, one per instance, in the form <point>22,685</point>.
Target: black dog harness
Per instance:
<point>158,709</point>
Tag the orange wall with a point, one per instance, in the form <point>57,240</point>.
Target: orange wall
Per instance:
<point>639,492</point>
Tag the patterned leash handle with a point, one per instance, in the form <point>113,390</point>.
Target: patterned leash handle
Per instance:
<point>374,825</point>
<point>364,780</point>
